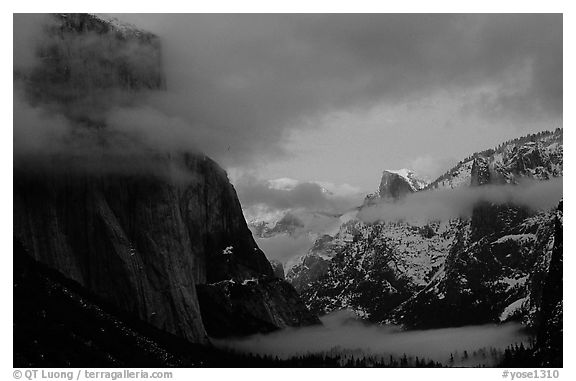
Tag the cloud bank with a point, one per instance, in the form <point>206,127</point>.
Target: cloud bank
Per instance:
<point>243,82</point>
<point>315,206</point>
<point>238,87</point>
<point>72,94</point>
<point>343,334</point>
<point>286,194</point>
<point>454,203</point>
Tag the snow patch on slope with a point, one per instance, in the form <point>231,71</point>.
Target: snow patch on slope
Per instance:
<point>513,308</point>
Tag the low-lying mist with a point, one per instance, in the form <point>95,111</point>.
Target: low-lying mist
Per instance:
<point>454,203</point>
<point>343,335</point>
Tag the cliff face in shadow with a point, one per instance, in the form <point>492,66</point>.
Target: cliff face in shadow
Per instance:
<point>58,323</point>
<point>139,241</point>
<point>549,341</point>
<point>262,305</point>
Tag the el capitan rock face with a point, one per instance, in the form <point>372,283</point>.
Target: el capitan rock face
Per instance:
<point>139,231</point>
<point>58,323</point>
<point>259,305</point>
<point>87,62</point>
<point>138,241</point>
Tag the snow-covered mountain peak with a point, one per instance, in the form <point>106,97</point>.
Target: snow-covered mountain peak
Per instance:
<point>417,183</point>
<point>395,184</point>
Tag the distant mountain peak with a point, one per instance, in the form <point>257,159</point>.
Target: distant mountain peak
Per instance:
<point>416,182</point>
<point>395,184</point>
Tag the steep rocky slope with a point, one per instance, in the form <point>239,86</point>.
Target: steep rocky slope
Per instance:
<point>316,262</point>
<point>538,156</point>
<point>549,341</point>
<point>487,267</point>
<point>384,264</point>
<point>495,276</point>
<point>138,229</point>
<point>58,323</point>
<point>394,185</point>
<point>235,308</point>
<point>139,241</point>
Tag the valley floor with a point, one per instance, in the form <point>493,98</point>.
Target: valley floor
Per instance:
<point>57,324</point>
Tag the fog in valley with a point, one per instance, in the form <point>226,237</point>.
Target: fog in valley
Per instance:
<point>342,334</point>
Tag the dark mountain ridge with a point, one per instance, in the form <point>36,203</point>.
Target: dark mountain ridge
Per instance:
<point>521,153</point>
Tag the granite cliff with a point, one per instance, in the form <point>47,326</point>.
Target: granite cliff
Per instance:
<point>138,230</point>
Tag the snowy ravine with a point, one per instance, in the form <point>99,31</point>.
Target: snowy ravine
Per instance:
<point>377,266</point>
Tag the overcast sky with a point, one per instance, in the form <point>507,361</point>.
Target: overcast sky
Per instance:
<point>339,98</point>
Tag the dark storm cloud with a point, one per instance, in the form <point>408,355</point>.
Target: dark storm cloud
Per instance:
<point>238,84</point>
<point>247,78</point>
